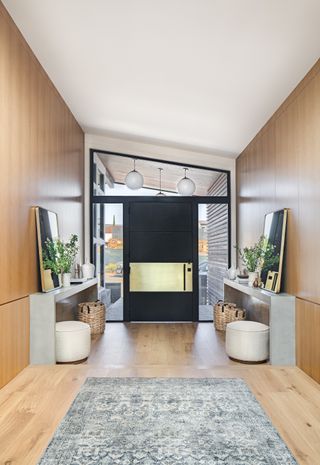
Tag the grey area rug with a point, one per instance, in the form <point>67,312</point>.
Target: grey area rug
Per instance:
<point>174,421</point>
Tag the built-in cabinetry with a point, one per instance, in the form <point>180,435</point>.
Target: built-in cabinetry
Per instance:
<point>275,310</point>
<point>48,308</point>
<point>14,339</point>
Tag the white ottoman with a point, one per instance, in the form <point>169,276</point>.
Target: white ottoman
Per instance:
<point>73,341</point>
<point>247,341</point>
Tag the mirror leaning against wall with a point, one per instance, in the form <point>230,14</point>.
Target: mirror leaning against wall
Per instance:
<point>47,229</point>
<point>275,225</point>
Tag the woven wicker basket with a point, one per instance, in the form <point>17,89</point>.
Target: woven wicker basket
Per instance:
<point>94,314</point>
<point>235,314</point>
<point>226,312</point>
<point>220,315</point>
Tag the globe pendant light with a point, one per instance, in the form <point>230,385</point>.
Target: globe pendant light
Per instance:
<point>160,193</point>
<point>186,186</point>
<point>134,179</point>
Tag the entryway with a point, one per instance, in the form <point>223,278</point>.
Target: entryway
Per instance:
<point>159,257</point>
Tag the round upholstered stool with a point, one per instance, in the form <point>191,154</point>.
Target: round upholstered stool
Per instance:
<point>73,341</point>
<point>247,341</point>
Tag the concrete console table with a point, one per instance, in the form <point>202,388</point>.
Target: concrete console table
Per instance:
<point>275,310</point>
<point>48,308</point>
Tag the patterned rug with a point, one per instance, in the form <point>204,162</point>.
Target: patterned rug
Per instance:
<point>146,421</point>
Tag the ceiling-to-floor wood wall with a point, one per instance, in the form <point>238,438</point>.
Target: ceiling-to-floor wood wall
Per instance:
<point>41,163</point>
<point>281,168</point>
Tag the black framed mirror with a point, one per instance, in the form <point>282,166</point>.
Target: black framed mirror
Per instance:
<point>275,225</point>
<point>47,228</point>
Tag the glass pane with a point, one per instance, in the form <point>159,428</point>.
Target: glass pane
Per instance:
<point>109,173</point>
<point>213,256</point>
<point>114,260</point>
<point>108,256</point>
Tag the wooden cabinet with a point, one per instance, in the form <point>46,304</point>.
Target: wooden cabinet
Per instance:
<point>308,339</point>
<point>14,339</point>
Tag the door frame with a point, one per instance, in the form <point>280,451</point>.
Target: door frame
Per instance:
<point>126,200</point>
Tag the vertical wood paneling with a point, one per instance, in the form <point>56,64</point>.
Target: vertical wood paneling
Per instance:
<point>14,339</point>
<point>41,163</point>
<point>280,168</point>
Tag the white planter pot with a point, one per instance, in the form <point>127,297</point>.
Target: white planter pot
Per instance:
<point>66,279</point>
<point>253,275</point>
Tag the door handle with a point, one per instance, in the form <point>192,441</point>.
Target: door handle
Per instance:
<point>184,276</point>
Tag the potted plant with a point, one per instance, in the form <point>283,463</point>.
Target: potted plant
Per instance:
<point>258,257</point>
<point>59,257</point>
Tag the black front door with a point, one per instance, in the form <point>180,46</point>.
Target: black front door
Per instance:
<point>162,261</point>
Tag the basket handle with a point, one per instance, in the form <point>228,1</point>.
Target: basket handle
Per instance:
<point>85,306</point>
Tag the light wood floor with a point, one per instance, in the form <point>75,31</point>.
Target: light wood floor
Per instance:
<point>32,405</point>
<point>165,344</point>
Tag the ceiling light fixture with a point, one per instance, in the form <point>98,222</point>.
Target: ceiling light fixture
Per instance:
<point>160,193</point>
<point>134,179</point>
<point>186,186</point>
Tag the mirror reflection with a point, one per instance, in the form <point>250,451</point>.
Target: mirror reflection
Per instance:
<point>47,228</point>
<point>274,231</point>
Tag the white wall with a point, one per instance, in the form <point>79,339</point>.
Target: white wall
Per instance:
<point>160,152</point>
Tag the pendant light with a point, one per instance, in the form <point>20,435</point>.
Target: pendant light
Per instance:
<point>186,186</point>
<point>134,179</point>
<point>160,193</point>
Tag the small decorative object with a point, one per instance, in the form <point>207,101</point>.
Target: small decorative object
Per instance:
<point>77,271</point>
<point>243,277</point>
<point>134,179</point>
<point>94,314</point>
<point>88,270</point>
<point>232,273</point>
<point>186,186</point>
<point>253,276</point>
<point>59,256</point>
<point>66,279</point>
<point>258,257</point>
<point>256,282</point>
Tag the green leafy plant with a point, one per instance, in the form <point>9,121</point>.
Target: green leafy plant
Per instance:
<point>50,257</point>
<point>59,256</point>
<point>260,256</point>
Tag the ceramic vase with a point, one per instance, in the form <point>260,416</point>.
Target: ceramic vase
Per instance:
<point>253,275</point>
<point>66,279</point>
<point>88,270</point>
<point>232,273</point>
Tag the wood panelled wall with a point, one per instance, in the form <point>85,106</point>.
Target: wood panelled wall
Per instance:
<point>41,163</point>
<point>281,168</point>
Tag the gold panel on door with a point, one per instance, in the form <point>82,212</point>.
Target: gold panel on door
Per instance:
<point>161,277</point>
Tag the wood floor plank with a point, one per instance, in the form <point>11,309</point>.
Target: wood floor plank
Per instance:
<point>33,404</point>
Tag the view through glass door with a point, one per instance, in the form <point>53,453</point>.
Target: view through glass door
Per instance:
<point>108,256</point>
